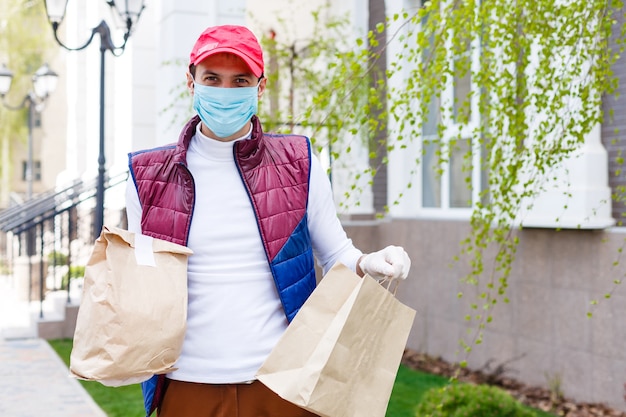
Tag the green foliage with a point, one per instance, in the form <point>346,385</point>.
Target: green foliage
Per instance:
<point>318,84</point>
<point>57,258</point>
<point>76,271</point>
<point>180,107</point>
<point>23,49</point>
<point>321,87</point>
<point>538,71</point>
<point>408,390</point>
<point>469,400</point>
<point>555,382</point>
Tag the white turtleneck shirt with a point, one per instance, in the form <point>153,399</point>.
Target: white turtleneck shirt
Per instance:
<point>234,315</point>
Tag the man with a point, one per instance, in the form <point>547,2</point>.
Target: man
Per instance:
<point>256,209</point>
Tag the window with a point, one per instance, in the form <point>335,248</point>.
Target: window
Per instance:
<point>448,156</point>
<point>36,119</point>
<point>437,172</point>
<point>36,170</point>
<point>451,178</point>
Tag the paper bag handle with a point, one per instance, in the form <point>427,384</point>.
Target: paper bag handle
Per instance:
<point>389,283</point>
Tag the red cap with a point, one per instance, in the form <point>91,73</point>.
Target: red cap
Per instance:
<point>233,39</point>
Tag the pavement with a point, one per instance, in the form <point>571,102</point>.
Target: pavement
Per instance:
<point>34,381</point>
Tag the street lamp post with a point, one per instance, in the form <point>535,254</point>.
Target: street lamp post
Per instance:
<point>129,11</point>
<point>44,83</point>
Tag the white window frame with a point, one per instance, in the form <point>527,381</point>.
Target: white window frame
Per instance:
<point>588,206</point>
<point>408,202</point>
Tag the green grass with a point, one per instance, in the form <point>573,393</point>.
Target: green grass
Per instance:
<point>408,390</point>
<point>410,387</point>
<point>123,401</point>
<point>127,401</point>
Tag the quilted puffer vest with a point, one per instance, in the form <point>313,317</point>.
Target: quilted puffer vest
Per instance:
<point>275,170</point>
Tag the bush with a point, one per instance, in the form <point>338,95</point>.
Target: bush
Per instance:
<point>57,258</point>
<point>76,271</point>
<point>469,400</point>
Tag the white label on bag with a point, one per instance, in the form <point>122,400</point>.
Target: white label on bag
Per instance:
<point>143,250</point>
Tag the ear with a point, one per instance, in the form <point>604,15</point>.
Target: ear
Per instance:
<point>262,87</point>
<point>190,82</point>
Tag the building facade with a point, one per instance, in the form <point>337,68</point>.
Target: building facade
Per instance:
<point>568,256</point>
<point>543,333</point>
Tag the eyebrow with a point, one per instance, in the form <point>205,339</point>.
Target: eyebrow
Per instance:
<point>243,74</point>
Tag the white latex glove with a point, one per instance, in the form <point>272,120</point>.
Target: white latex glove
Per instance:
<point>389,263</point>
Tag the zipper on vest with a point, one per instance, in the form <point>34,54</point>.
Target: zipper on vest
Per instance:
<point>193,202</point>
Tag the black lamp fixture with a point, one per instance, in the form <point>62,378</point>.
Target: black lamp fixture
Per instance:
<point>44,83</point>
<point>128,12</point>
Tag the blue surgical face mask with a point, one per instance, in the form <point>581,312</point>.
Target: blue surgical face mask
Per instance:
<point>225,110</point>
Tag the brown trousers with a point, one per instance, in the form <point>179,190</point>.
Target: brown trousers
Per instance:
<point>188,399</point>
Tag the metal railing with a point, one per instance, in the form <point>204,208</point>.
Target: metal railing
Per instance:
<point>52,233</point>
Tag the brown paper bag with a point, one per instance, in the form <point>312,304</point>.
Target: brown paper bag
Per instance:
<point>132,316</point>
<point>340,355</point>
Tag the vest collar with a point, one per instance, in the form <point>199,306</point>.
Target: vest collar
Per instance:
<point>244,148</point>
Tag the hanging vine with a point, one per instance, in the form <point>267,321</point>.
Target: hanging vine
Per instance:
<point>539,70</point>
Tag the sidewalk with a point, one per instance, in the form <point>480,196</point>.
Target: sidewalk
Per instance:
<point>35,381</point>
